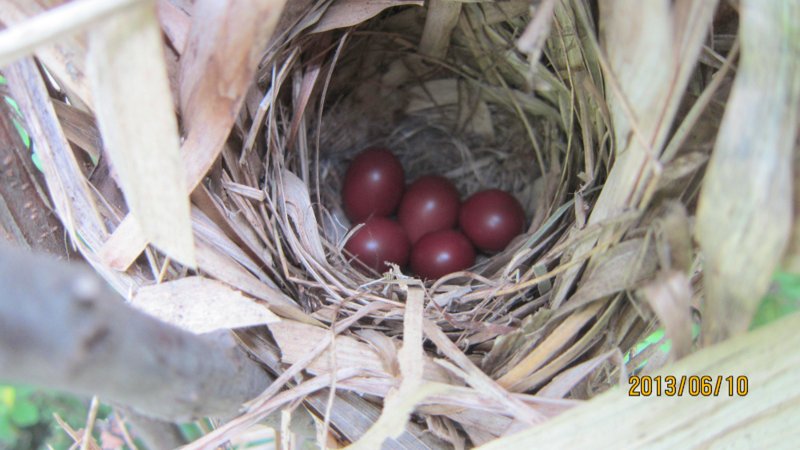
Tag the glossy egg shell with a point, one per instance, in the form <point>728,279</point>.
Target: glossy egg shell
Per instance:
<point>430,204</point>
<point>440,253</point>
<point>491,219</point>
<point>373,185</point>
<point>378,241</point>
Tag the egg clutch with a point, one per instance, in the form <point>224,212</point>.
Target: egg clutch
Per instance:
<point>434,232</point>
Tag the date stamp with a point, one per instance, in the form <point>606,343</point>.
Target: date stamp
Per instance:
<point>691,385</point>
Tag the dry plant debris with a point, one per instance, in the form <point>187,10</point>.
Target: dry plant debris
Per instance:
<point>602,129</point>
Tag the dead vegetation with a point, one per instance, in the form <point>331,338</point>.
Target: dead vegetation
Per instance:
<point>601,119</point>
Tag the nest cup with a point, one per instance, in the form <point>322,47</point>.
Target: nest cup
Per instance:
<point>457,115</point>
<point>468,104</point>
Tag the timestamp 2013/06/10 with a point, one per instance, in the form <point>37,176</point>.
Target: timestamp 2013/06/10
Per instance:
<point>691,385</point>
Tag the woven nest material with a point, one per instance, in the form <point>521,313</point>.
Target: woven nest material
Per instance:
<point>578,122</point>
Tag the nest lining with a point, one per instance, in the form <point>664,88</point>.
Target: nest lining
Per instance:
<point>492,151</point>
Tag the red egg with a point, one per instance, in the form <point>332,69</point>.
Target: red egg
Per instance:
<point>440,253</point>
<point>379,241</point>
<point>430,204</point>
<point>373,185</point>
<point>491,219</point>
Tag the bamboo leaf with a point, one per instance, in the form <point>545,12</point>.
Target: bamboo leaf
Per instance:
<point>223,48</point>
<point>765,359</point>
<point>745,208</point>
<point>201,305</point>
<point>348,13</point>
<point>140,132</point>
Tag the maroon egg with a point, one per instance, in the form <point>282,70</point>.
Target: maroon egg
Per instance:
<point>430,204</point>
<point>373,185</point>
<point>491,219</point>
<point>378,241</point>
<point>440,253</point>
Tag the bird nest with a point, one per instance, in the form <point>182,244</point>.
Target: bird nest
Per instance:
<point>579,123</point>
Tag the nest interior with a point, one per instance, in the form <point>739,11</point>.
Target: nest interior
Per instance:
<point>480,113</point>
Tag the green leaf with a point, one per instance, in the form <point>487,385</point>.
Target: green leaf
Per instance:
<point>191,431</point>
<point>2,80</point>
<point>23,133</point>
<point>14,105</point>
<point>782,299</point>
<point>37,161</point>
<point>25,414</point>
<point>8,433</point>
<point>23,390</point>
<point>8,396</point>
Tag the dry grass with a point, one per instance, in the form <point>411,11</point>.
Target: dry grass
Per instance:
<point>601,132</point>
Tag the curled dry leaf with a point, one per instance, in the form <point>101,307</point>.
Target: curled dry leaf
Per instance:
<point>670,297</point>
<point>301,214</point>
<point>201,305</point>
<point>348,13</point>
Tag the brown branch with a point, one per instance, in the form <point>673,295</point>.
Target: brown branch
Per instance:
<point>62,327</point>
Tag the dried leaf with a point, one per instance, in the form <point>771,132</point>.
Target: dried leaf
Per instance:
<point>644,73</point>
<point>495,12</point>
<point>585,341</point>
<point>670,297</point>
<point>223,268</point>
<point>293,339</point>
<point>674,237</point>
<point>476,378</point>
<point>49,26</point>
<point>675,172</point>
<point>35,24</point>
<point>560,385</point>
<point>533,38</point>
<point>201,305</point>
<point>134,110</point>
<point>552,345</point>
<point>72,198</point>
<point>348,13</point>
<point>744,213</point>
<point>619,268</point>
<point>440,21</point>
<point>216,70</point>
<point>301,214</point>
<point>80,128</point>
<point>767,356</point>
<point>175,22</point>
<point>399,404</point>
